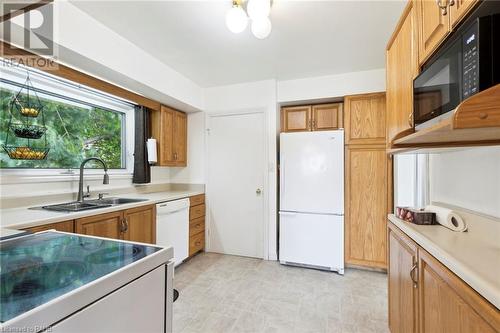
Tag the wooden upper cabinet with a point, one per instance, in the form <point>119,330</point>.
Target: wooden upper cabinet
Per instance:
<point>366,206</point>
<point>327,117</point>
<point>459,9</point>
<point>433,27</point>
<point>402,267</point>
<point>140,224</point>
<point>180,139</point>
<point>169,128</point>
<point>364,119</point>
<point>402,68</point>
<point>296,119</point>
<point>448,304</point>
<point>109,225</point>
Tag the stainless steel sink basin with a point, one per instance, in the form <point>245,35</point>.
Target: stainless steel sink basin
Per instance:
<point>115,201</point>
<point>75,206</point>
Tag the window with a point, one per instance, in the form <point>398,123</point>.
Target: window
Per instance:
<point>79,122</point>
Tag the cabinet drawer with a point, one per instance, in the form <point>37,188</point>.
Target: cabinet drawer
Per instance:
<point>196,212</point>
<point>197,200</point>
<point>66,226</point>
<point>196,226</point>
<point>196,243</point>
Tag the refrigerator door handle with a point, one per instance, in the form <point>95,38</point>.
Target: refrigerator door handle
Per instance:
<point>282,181</point>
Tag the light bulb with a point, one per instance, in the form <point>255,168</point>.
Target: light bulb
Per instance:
<point>261,28</point>
<point>236,19</point>
<point>258,8</point>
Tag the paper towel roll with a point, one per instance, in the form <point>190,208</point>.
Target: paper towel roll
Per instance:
<point>448,218</point>
<point>151,147</point>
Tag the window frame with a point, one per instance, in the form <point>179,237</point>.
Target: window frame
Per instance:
<point>59,89</point>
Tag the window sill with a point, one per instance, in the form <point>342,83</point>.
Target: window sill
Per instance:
<point>47,176</point>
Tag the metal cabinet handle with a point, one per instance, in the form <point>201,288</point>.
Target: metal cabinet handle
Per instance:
<point>415,282</point>
<point>123,225</point>
<point>410,119</point>
<point>258,191</point>
<point>309,124</point>
<point>314,124</point>
<point>452,3</point>
<point>443,5</point>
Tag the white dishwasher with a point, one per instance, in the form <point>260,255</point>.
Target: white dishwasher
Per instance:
<point>172,227</point>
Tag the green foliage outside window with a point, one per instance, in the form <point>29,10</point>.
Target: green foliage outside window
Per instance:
<point>74,132</point>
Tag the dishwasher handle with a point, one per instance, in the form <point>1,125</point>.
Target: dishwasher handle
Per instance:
<point>170,207</point>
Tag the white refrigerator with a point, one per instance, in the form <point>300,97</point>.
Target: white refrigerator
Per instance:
<point>311,216</point>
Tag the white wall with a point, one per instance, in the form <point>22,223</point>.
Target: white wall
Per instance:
<point>468,179</point>
<point>194,173</point>
<point>331,86</point>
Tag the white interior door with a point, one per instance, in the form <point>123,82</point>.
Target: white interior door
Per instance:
<point>235,174</point>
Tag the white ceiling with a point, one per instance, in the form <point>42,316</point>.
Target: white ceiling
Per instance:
<point>309,38</point>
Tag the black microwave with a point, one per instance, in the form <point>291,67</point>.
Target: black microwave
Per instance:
<point>468,63</point>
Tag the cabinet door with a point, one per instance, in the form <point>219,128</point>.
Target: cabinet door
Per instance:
<point>104,225</point>
<point>402,290</point>
<point>327,117</point>
<point>162,127</point>
<point>402,67</point>
<point>448,304</point>
<point>66,226</point>
<point>296,119</point>
<point>459,9</point>
<point>366,206</point>
<point>365,119</point>
<point>140,224</point>
<point>180,139</point>
<point>433,27</point>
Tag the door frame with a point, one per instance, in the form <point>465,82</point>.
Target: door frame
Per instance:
<point>265,173</point>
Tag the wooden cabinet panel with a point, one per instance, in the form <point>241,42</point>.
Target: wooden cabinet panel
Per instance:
<point>196,226</point>
<point>364,121</point>
<point>433,27</point>
<point>447,304</point>
<point>196,243</point>
<point>66,226</point>
<point>402,67</point>
<point>459,10</point>
<point>104,225</point>
<point>140,224</point>
<point>296,119</point>
<point>180,139</point>
<point>196,212</point>
<point>327,117</point>
<point>366,206</point>
<point>402,292</point>
<point>197,200</point>
<point>169,127</point>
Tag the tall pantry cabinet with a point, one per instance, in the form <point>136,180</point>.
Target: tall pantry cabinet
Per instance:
<point>366,180</point>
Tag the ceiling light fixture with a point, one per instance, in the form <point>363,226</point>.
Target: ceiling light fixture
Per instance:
<point>236,18</point>
<point>258,11</point>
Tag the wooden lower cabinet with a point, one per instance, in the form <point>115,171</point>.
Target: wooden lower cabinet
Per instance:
<point>109,225</point>
<point>429,297</point>
<point>135,224</point>
<point>402,292</point>
<point>140,224</point>
<point>196,224</point>
<point>66,226</point>
<point>366,195</point>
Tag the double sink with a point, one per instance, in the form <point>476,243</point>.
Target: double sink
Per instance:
<point>77,206</point>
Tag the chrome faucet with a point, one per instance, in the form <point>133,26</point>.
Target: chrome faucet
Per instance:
<point>105,180</point>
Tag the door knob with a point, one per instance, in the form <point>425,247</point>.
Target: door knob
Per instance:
<point>258,191</point>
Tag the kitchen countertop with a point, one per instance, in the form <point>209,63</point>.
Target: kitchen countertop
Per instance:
<point>474,256</point>
<point>23,217</point>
